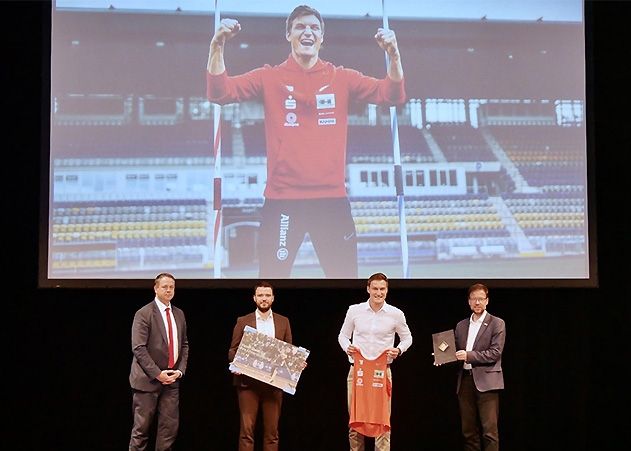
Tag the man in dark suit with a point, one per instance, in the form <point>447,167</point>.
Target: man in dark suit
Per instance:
<point>160,347</point>
<point>480,342</point>
<point>253,393</point>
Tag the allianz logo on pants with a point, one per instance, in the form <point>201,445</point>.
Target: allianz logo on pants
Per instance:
<point>282,253</point>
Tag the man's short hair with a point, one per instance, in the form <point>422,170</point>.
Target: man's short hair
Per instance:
<point>163,275</point>
<point>479,286</point>
<point>377,276</point>
<point>303,10</point>
<point>263,284</point>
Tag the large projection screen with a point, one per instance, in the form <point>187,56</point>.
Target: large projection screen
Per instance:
<point>480,173</point>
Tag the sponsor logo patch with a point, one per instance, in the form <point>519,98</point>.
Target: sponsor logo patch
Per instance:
<point>282,254</point>
<point>290,103</point>
<point>291,120</point>
<point>326,121</point>
<point>324,101</point>
<point>284,228</point>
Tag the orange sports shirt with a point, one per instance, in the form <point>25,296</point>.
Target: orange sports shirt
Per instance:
<point>370,396</point>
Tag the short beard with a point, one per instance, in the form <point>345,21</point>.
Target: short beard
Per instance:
<point>264,310</point>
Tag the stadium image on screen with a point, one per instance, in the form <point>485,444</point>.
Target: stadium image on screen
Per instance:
<point>481,172</point>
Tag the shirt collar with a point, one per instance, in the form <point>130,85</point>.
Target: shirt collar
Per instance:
<point>259,316</point>
<point>293,65</point>
<point>384,308</point>
<point>161,305</point>
<point>480,320</point>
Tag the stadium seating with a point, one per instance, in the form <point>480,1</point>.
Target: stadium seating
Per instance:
<point>461,143</point>
<point>373,144</point>
<point>550,157</point>
<point>431,221</point>
<point>545,214</point>
<point>136,233</point>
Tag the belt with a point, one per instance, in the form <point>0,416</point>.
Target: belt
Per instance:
<point>466,372</point>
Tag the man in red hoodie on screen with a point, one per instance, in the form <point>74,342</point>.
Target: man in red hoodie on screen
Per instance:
<point>306,104</point>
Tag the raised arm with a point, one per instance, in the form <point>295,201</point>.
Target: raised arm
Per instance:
<point>387,40</point>
<point>228,29</point>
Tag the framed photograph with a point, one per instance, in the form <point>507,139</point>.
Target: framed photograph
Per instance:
<point>269,360</point>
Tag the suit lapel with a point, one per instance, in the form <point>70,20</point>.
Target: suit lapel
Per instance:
<point>158,319</point>
<point>278,333</point>
<point>464,336</point>
<point>250,320</point>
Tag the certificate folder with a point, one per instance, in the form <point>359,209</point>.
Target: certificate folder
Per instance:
<point>444,347</point>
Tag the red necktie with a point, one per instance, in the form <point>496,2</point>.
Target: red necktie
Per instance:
<point>171,353</point>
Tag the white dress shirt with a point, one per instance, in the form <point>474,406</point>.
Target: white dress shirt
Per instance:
<point>163,313</point>
<point>373,332</point>
<point>265,326</point>
<point>474,328</point>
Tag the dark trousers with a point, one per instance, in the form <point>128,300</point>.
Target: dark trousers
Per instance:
<point>270,400</point>
<point>330,225</point>
<point>478,414</point>
<point>145,406</point>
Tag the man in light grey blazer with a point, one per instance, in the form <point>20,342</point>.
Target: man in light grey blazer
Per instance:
<point>480,342</point>
<point>160,347</point>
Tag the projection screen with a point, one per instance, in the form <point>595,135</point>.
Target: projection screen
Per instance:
<point>479,172</point>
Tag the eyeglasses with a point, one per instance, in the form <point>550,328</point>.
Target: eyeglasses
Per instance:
<point>477,299</point>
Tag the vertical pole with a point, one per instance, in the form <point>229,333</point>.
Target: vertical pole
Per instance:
<point>217,228</point>
<point>398,172</point>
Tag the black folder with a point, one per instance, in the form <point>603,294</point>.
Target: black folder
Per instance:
<point>444,347</point>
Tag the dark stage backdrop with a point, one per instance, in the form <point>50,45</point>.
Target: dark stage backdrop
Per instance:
<point>67,355</point>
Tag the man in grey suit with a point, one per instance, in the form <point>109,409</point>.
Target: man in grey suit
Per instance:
<point>253,393</point>
<point>480,342</point>
<point>160,347</point>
